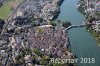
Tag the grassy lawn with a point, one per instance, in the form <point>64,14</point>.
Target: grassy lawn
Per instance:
<point>5,9</point>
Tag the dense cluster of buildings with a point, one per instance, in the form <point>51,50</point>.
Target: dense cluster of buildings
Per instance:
<point>90,5</point>
<point>39,9</point>
<point>52,41</point>
<point>19,36</point>
<point>92,9</point>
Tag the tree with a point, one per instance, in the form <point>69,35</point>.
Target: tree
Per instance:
<point>91,19</point>
<point>38,52</point>
<point>66,24</point>
<point>1,4</point>
<point>58,21</point>
<point>53,23</point>
<point>2,22</point>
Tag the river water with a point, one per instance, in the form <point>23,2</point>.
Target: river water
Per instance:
<point>82,43</point>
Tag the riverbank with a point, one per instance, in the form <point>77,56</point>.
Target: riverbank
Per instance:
<point>89,8</point>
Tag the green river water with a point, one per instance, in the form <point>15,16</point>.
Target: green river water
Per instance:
<point>82,43</point>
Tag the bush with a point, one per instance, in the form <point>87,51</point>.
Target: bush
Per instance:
<point>2,22</point>
<point>53,23</point>
<point>66,24</point>
<point>38,52</point>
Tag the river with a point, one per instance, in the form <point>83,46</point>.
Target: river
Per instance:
<point>82,43</point>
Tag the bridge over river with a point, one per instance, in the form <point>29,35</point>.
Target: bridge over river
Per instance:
<point>81,41</point>
<point>77,26</point>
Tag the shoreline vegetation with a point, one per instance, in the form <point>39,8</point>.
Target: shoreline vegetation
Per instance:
<point>31,38</point>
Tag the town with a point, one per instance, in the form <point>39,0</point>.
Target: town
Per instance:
<point>27,37</point>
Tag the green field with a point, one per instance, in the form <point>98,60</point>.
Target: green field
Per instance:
<point>5,10</point>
